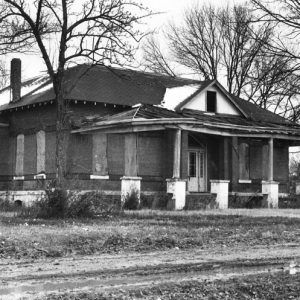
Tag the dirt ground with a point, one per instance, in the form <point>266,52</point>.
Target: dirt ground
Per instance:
<point>156,274</point>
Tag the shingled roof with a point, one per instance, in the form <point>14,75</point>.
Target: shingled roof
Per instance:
<point>153,115</point>
<point>98,84</point>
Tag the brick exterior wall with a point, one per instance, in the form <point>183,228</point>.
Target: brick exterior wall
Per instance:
<point>200,201</point>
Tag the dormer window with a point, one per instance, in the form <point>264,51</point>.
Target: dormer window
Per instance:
<point>211,101</point>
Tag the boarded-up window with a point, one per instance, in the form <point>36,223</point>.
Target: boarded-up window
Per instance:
<point>255,161</point>
<point>100,154</point>
<point>115,154</point>
<point>150,155</point>
<point>80,154</point>
<point>281,163</point>
<point>50,152</point>
<point>40,152</point>
<point>244,162</point>
<point>30,154</point>
<point>19,168</point>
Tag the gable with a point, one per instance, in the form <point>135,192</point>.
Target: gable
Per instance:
<point>223,104</point>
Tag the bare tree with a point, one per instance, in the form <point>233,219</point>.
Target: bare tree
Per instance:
<point>93,30</point>
<point>229,45</point>
<point>155,59</point>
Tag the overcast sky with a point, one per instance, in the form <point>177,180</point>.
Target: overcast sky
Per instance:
<point>170,10</point>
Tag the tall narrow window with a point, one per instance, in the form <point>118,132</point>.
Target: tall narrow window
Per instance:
<point>20,155</point>
<point>99,155</point>
<point>40,152</point>
<point>211,101</point>
<point>244,163</point>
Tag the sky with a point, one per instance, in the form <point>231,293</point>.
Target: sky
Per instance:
<point>169,10</point>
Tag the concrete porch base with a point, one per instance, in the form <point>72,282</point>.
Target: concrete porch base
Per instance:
<point>270,188</point>
<point>177,187</point>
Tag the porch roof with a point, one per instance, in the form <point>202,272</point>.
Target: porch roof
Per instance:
<point>149,117</point>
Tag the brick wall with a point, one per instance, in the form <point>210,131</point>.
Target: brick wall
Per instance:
<point>4,151</point>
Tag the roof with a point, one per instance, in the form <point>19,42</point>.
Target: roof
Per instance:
<point>98,84</point>
<point>195,120</point>
<point>128,88</point>
<point>256,113</point>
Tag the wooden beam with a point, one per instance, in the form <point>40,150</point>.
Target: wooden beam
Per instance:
<point>226,158</point>
<point>235,160</point>
<point>177,154</point>
<point>270,160</point>
<point>265,163</point>
<point>246,135</point>
<point>131,163</point>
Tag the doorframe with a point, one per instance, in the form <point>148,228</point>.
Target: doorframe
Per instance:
<point>199,149</point>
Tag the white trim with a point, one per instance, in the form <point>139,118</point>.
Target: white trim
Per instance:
<point>245,181</point>
<point>18,178</point>
<point>131,178</point>
<point>104,177</point>
<point>244,194</point>
<point>40,176</point>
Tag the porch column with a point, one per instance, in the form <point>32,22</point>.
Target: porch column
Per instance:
<point>177,154</point>
<point>270,187</point>
<point>226,158</point>
<point>270,160</point>
<point>131,183</point>
<point>175,185</point>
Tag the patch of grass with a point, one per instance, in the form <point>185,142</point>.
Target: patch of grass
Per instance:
<point>140,231</point>
<point>263,287</point>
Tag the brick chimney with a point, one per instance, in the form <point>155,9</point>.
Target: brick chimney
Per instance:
<point>15,79</point>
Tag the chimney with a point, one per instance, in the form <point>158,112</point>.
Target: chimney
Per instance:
<point>15,79</point>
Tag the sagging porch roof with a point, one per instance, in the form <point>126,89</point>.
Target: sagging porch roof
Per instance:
<point>149,117</point>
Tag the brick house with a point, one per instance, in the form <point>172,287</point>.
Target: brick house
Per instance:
<point>149,133</point>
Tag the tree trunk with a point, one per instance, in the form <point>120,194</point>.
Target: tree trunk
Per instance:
<point>60,131</point>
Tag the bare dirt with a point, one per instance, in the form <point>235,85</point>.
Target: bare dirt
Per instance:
<point>29,279</point>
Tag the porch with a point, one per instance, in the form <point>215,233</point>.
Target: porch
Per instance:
<point>231,166</point>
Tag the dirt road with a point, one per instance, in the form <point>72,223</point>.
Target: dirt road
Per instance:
<point>29,279</point>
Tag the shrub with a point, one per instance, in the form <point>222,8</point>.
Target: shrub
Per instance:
<point>132,201</point>
<point>91,204</point>
<point>53,204</point>
<point>58,203</point>
<point>6,205</point>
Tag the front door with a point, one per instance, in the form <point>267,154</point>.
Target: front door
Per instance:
<point>197,170</point>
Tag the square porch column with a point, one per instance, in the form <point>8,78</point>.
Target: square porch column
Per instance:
<point>220,187</point>
<point>175,185</point>
<point>270,187</point>
<point>130,182</point>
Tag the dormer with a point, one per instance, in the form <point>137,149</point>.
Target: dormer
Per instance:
<point>210,98</point>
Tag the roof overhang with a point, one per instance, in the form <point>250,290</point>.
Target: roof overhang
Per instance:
<point>190,124</point>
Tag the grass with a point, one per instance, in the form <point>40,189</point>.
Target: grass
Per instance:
<point>263,287</point>
<point>144,231</point>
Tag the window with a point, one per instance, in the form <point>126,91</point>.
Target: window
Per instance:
<point>19,167</point>
<point>244,161</point>
<point>40,152</point>
<point>192,164</point>
<point>211,101</point>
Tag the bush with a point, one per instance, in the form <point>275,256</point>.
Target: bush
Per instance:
<point>91,204</point>
<point>132,201</point>
<point>54,204</point>
<point>59,203</point>
<point>6,205</point>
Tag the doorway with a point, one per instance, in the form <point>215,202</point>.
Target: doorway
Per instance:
<point>197,170</point>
